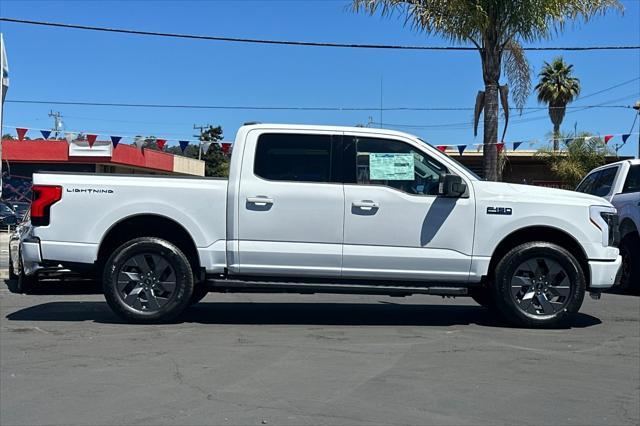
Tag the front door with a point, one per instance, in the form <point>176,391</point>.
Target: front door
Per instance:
<point>290,205</point>
<point>396,227</point>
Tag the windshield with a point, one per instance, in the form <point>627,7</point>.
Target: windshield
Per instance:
<point>468,170</point>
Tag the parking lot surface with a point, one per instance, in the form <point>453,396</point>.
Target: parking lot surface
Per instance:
<point>314,359</point>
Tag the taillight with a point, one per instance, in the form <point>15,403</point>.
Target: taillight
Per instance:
<point>43,197</point>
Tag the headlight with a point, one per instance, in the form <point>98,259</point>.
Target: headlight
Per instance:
<point>606,220</point>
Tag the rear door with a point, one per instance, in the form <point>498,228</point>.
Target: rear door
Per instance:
<point>291,204</point>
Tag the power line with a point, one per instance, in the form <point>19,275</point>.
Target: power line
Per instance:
<point>295,43</point>
<point>271,108</point>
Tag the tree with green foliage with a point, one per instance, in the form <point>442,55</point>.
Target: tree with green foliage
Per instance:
<point>579,156</point>
<point>216,162</point>
<point>557,88</point>
<point>496,28</point>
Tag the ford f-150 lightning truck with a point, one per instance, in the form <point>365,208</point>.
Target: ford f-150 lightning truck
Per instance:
<point>311,209</point>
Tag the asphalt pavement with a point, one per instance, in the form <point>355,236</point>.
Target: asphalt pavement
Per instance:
<point>315,359</point>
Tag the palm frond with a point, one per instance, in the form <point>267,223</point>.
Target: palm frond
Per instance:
<point>518,72</point>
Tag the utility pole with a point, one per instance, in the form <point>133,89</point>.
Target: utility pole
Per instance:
<point>199,136</point>
<point>637,108</point>
<point>57,123</point>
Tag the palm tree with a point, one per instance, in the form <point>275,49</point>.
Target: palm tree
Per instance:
<point>557,88</point>
<point>495,28</point>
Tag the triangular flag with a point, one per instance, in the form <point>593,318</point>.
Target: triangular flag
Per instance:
<point>516,145</point>
<point>226,147</point>
<point>500,147</point>
<point>21,132</point>
<point>115,140</point>
<point>160,143</point>
<point>45,133</point>
<point>441,148</point>
<point>625,137</point>
<point>607,138</point>
<point>91,139</point>
<point>139,142</point>
<point>69,137</point>
<point>461,148</point>
<point>205,146</point>
<point>183,145</point>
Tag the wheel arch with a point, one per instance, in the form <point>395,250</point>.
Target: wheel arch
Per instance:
<point>547,234</point>
<point>148,225</point>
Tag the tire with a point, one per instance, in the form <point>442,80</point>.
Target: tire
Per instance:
<point>12,272</point>
<point>21,283</point>
<point>200,291</point>
<point>630,274</point>
<point>538,285</point>
<point>148,280</point>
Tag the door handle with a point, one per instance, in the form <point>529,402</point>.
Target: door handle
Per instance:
<point>365,204</point>
<point>260,200</point>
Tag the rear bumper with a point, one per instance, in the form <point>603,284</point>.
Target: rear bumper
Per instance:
<point>31,255</point>
<point>604,274</point>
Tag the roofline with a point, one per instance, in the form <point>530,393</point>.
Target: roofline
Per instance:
<point>346,129</point>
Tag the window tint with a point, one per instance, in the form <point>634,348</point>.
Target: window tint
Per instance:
<point>587,184</point>
<point>291,157</point>
<point>632,183</point>
<point>394,164</point>
<point>602,186</point>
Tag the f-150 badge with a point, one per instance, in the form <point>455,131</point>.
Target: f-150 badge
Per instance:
<point>507,211</point>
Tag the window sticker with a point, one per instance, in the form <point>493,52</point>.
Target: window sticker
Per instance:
<point>391,166</point>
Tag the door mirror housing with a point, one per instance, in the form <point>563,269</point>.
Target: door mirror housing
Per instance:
<point>451,186</point>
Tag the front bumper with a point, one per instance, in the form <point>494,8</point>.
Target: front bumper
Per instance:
<point>604,274</point>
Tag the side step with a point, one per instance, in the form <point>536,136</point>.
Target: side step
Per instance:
<point>250,286</point>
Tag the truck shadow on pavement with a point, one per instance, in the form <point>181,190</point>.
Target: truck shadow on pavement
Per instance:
<point>292,313</point>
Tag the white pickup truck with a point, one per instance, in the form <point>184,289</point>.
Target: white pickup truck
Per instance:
<point>310,209</point>
<point>619,183</point>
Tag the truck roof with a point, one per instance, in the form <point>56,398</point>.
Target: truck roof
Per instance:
<point>351,129</point>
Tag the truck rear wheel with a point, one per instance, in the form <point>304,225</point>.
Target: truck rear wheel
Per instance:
<point>538,284</point>
<point>148,280</point>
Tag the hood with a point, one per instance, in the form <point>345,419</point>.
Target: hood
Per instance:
<point>531,192</point>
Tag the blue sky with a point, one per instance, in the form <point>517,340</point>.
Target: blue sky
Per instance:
<point>61,64</point>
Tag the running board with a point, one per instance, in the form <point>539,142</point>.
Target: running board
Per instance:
<point>249,286</point>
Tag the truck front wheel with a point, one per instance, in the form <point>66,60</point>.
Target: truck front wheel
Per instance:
<point>538,284</point>
<point>148,280</point>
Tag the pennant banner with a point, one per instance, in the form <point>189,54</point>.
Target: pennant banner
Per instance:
<point>139,142</point>
<point>21,131</point>
<point>115,140</point>
<point>160,143</point>
<point>500,147</point>
<point>69,137</point>
<point>45,133</point>
<point>205,146</point>
<point>226,147</point>
<point>91,139</point>
<point>183,145</point>
<point>607,138</point>
<point>625,137</point>
<point>461,148</point>
<point>441,148</point>
<point>516,145</point>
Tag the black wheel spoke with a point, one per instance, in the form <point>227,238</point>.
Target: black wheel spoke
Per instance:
<point>146,282</point>
<point>541,286</point>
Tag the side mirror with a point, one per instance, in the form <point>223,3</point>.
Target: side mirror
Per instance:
<point>451,186</point>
